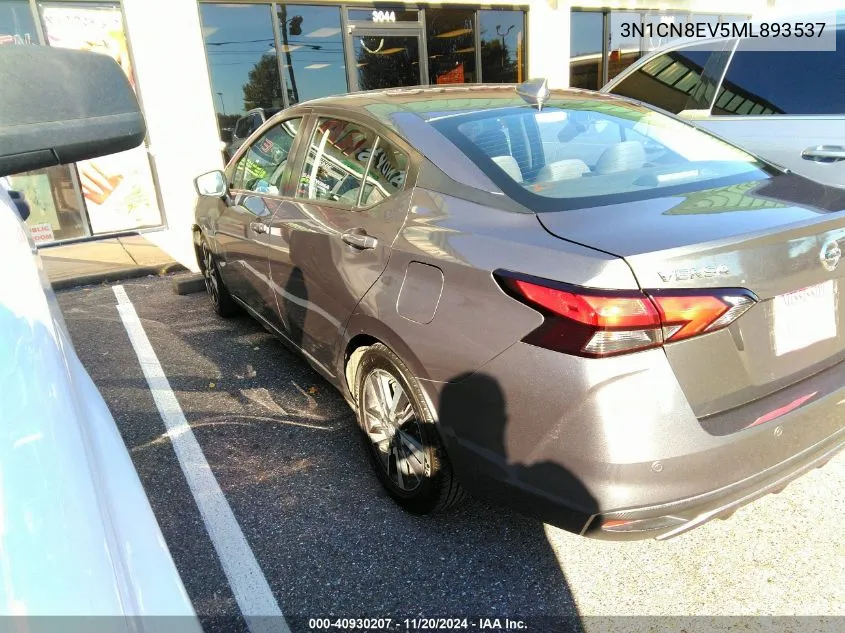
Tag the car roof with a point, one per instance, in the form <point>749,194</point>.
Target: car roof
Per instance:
<point>432,102</point>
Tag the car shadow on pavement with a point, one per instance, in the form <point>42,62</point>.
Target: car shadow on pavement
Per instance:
<point>289,457</point>
<point>333,544</point>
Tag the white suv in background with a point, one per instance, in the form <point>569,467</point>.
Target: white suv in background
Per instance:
<point>785,106</point>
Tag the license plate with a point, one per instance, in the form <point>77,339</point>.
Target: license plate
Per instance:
<point>804,317</point>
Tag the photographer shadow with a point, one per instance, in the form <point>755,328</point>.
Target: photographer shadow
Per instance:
<point>474,420</point>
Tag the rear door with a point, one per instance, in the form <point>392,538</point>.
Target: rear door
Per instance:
<point>786,106</point>
<point>331,240</point>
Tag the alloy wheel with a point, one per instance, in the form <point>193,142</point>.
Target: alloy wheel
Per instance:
<point>210,275</point>
<point>394,430</point>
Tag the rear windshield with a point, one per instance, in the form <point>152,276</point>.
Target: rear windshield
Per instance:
<point>576,154</point>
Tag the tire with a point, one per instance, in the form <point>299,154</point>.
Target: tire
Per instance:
<point>405,450</point>
<point>222,302</point>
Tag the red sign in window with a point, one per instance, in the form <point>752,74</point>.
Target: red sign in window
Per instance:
<point>454,76</point>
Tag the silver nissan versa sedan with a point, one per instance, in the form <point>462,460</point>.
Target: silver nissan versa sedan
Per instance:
<point>560,300</point>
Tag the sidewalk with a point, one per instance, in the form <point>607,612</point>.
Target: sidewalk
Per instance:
<point>99,261</point>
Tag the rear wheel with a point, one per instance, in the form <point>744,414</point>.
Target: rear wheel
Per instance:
<point>401,437</point>
<point>221,300</point>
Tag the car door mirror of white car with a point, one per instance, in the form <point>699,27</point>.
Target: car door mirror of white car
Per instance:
<point>21,204</point>
<point>212,184</point>
<point>60,106</point>
<point>694,115</point>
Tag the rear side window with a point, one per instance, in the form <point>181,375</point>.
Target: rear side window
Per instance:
<point>672,81</point>
<point>784,82</point>
<point>337,159</point>
<point>386,175</point>
<point>343,157</point>
<point>590,152</point>
<point>261,169</point>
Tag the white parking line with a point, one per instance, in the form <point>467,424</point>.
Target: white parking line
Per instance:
<point>248,583</point>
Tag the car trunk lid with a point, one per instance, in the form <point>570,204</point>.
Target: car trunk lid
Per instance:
<point>777,238</point>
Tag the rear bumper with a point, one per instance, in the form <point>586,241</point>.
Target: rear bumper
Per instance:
<point>612,449</point>
<point>668,520</point>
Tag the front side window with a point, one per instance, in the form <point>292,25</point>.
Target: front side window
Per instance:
<point>784,82</point>
<point>337,160</point>
<point>579,152</point>
<point>261,169</point>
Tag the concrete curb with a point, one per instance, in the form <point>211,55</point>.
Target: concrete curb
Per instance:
<point>188,285</point>
<point>116,275</point>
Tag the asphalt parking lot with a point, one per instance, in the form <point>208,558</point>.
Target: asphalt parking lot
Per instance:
<point>285,450</point>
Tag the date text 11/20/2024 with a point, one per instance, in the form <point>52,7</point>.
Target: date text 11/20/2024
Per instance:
<point>416,624</point>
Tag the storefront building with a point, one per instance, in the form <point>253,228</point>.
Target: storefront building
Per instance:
<point>209,72</point>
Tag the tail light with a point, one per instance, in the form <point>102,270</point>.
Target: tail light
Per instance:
<point>597,323</point>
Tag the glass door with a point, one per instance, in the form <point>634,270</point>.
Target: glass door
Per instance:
<point>385,59</point>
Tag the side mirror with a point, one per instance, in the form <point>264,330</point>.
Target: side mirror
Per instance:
<point>694,115</point>
<point>212,184</point>
<point>20,203</point>
<point>59,106</point>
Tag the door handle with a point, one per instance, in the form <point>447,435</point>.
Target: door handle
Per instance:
<point>359,240</point>
<point>824,153</point>
<point>258,227</point>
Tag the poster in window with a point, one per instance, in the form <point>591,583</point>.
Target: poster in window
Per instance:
<point>454,76</point>
<point>43,217</point>
<point>119,190</point>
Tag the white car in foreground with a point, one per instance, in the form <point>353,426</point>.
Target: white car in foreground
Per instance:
<point>77,534</point>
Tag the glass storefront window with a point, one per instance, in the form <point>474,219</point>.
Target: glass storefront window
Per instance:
<point>55,210</point>
<point>386,61</point>
<point>450,37</point>
<point>624,51</point>
<point>118,188</point>
<point>585,49</point>
<point>312,49</point>
<point>502,46</point>
<point>240,47</point>
<point>16,23</point>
